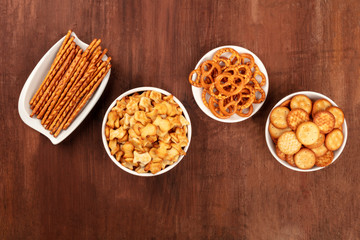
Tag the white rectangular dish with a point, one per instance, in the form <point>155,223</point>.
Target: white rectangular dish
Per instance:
<point>33,83</point>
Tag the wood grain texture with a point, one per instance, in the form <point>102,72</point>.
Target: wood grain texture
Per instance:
<point>228,186</point>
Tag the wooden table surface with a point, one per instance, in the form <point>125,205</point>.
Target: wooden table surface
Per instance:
<point>228,186</point>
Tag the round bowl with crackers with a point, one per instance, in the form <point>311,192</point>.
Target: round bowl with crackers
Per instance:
<point>306,131</point>
<point>146,131</point>
<point>229,84</point>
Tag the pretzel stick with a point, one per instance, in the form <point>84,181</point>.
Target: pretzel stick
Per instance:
<point>95,46</point>
<point>73,94</point>
<point>101,56</point>
<point>60,88</point>
<point>71,81</point>
<point>92,82</point>
<point>100,68</point>
<point>59,60</point>
<point>56,60</point>
<point>56,81</point>
<point>79,71</point>
<point>58,68</point>
<point>89,48</point>
<point>86,55</point>
<point>46,96</point>
<point>84,83</point>
<point>60,108</point>
<point>92,66</point>
<point>76,99</point>
<point>58,130</point>
<point>62,59</point>
<point>83,66</point>
<point>84,100</point>
<point>95,53</point>
<point>51,95</point>
<point>77,107</point>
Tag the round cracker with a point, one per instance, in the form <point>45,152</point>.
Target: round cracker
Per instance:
<point>280,154</point>
<point>334,139</point>
<point>325,121</point>
<point>320,151</point>
<point>338,114</point>
<point>320,105</point>
<point>301,101</point>
<point>288,143</point>
<point>276,132</point>
<point>286,103</point>
<point>325,160</point>
<point>320,141</point>
<point>278,117</point>
<point>307,133</point>
<point>296,117</point>
<point>290,160</point>
<point>305,159</point>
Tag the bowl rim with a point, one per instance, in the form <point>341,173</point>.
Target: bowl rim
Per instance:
<point>127,93</point>
<point>261,67</point>
<point>271,145</point>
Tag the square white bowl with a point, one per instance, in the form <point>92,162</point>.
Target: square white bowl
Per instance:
<point>113,104</point>
<point>33,83</point>
<point>313,96</point>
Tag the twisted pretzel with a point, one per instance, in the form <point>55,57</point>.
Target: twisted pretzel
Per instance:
<point>196,82</point>
<point>235,57</point>
<point>256,73</point>
<point>203,98</point>
<point>257,88</point>
<point>214,92</point>
<point>215,109</point>
<point>234,83</point>
<point>229,85</point>
<point>242,114</point>
<point>250,63</point>
<point>247,97</point>
<point>209,70</point>
<point>228,105</point>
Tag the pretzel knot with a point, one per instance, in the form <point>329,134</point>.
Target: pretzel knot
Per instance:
<point>231,82</point>
<point>257,73</point>
<point>233,59</point>
<point>250,63</point>
<point>214,92</point>
<point>203,97</point>
<point>253,82</point>
<point>229,85</point>
<point>228,106</point>
<point>209,70</point>
<point>244,71</point>
<point>215,109</point>
<point>196,82</point>
<point>247,97</point>
<point>242,114</point>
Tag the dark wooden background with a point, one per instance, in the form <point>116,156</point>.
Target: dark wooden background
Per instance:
<point>228,186</point>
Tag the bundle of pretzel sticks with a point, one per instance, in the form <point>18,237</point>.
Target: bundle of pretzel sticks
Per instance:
<point>71,81</point>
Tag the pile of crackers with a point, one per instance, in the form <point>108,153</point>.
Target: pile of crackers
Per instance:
<point>146,132</point>
<point>306,133</point>
<point>72,79</point>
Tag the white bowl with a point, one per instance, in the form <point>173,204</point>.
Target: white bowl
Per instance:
<point>113,104</point>
<point>34,81</point>
<point>313,96</point>
<point>198,91</point>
